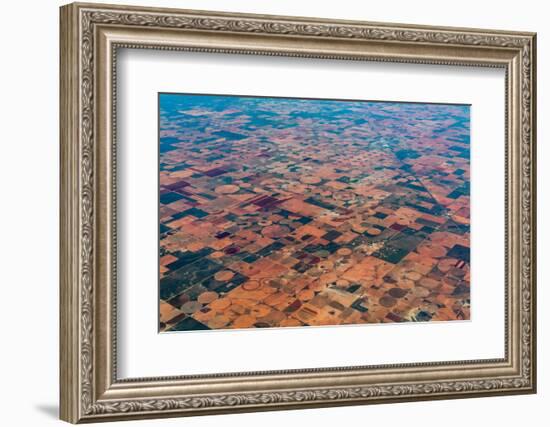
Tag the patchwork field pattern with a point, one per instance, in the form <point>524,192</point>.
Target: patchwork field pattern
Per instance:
<point>296,212</point>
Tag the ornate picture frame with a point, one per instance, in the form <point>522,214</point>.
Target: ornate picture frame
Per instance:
<point>90,37</point>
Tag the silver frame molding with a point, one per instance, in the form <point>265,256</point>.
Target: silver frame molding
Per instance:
<point>90,37</point>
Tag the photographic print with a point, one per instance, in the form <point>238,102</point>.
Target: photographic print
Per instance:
<point>278,212</point>
<point>201,209</point>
